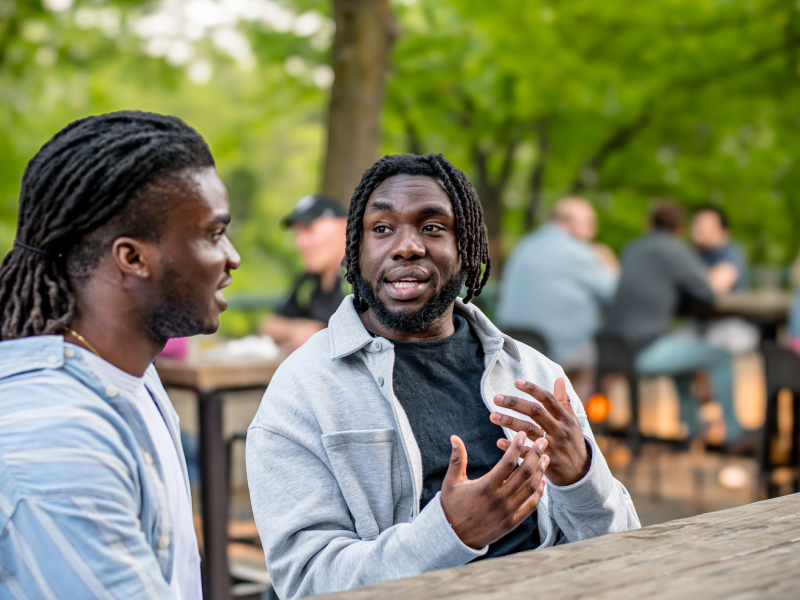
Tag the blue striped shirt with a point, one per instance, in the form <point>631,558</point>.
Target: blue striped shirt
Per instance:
<point>83,506</point>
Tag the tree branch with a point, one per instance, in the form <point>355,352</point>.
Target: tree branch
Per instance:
<point>538,173</point>
<point>618,140</point>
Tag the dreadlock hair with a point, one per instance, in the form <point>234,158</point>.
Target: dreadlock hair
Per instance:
<point>99,178</point>
<point>472,243</point>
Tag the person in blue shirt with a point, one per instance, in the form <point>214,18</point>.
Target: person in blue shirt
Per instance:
<point>556,284</point>
<point>120,246</point>
<point>724,258</point>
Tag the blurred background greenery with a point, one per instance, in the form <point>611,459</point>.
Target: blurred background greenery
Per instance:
<point>621,102</point>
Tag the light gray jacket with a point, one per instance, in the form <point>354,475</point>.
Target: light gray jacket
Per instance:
<point>335,473</point>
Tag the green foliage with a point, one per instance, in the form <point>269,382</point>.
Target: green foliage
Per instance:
<point>265,127</point>
<point>625,101</point>
<point>622,102</point>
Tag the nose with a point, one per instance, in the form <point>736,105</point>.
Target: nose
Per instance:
<point>232,259</point>
<point>408,245</point>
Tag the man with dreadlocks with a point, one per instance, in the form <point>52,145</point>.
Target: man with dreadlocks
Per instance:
<point>357,459</point>
<point>120,246</point>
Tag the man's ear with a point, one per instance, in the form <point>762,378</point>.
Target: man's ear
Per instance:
<point>132,257</point>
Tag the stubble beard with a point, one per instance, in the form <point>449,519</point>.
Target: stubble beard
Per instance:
<point>177,312</point>
<point>408,321</point>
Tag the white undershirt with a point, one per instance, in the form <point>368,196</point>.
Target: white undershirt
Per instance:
<point>185,583</point>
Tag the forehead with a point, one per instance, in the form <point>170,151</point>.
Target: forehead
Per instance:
<point>407,192</point>
<point>205,198</point>
<point>707,217</point>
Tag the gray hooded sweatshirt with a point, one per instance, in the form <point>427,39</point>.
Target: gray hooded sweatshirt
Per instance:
<point>335,473</point>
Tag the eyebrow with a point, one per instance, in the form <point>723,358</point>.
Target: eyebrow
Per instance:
<point>434,210</point>
<point>224,219</point>
<point>380,206</point>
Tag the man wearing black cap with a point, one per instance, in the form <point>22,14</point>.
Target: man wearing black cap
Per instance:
<point>319,223</point>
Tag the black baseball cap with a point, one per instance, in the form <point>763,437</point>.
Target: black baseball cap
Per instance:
<point>312,207</point>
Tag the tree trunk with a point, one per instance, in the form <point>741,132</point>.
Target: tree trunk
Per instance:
<point>537,176</point>
<point>365,30</point>
<point>490,191</point>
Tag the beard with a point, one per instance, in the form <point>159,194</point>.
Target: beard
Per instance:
<point>409,321</point>
<point>177,312</point>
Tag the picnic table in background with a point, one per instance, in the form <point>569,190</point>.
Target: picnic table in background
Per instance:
<point>749,553</point>
<point>209,377</point>
<point>769,309</point>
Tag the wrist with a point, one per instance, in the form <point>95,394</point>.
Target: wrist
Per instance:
<point>583,464</point>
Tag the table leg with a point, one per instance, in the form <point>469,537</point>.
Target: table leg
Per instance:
<point>214,494</point>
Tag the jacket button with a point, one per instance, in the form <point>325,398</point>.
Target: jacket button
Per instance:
<point>69,352</point>
<point>148,458</point>
<point>163,541</point>
<point>380,381</point>
<point>111,391</point>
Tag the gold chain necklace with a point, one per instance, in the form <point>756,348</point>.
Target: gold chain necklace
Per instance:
<point>82,340</point>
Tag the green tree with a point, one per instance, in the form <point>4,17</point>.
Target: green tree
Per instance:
<point>621,102</point>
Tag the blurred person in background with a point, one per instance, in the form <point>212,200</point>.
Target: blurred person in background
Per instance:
<point>794,313</point>
<point>658,272</point>
<point>319,223</point>
<point>557,284</point>
<point>727,272</point>
<point>724,258</point>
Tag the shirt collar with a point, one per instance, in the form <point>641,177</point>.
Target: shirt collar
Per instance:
<point>348,334</point>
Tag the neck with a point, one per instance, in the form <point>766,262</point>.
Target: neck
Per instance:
<point>118,337</point>
<point>441,328</point>
<point>329,277</point>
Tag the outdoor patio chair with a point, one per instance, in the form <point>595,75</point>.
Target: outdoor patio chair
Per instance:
<point>782,372</point>
<point>616,356</point>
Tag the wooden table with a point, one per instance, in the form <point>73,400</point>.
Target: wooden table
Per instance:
<point>747,553</point>
<point>769,309</point>
<point>209,380</point>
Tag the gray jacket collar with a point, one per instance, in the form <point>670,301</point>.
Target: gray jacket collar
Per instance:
<point>348,334</point>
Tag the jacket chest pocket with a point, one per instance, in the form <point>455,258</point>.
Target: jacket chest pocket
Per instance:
<point>367,468</point>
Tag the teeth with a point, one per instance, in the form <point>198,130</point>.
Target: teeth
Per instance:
<point>404,284</point>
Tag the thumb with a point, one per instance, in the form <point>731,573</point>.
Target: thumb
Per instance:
<point>457,470</point>
<point>560,390</point>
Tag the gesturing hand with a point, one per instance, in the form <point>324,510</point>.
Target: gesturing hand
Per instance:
<point>483,510</point>
<point>569,457</point>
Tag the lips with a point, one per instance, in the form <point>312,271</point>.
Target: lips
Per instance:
<point>218,293</point>
<point>406,284</point>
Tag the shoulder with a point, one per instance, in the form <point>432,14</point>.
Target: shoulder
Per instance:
<point>536,364</point>
<point>57,436</point>
<point>308,378</point>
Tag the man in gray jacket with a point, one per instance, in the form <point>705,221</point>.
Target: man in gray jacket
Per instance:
<point>357,459</point>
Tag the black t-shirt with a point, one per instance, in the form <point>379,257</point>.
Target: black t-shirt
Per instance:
<point>310,301</point>
<point>438,384</point>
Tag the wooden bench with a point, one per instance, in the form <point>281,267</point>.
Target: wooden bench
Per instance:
<point>748,553</point>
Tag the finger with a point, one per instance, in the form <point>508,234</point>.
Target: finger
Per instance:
<point>501,471</point>
<point>532,503</point>
<point>529,472</point>
<point>544,421</point>
<point>504,444</point>
<point>552,404</point>
<point>457,469</point>
<point>560,392</point>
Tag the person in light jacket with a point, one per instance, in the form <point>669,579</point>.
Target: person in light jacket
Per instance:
<point>411,434</point>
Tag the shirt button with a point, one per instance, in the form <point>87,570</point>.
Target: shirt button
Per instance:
<point>377,346</point>
<point>69,352</point>
<point>148,458</point>
<point>380,381</point>
<point>53,360</point>
<point>111,391</point>
<point>163,541</point>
